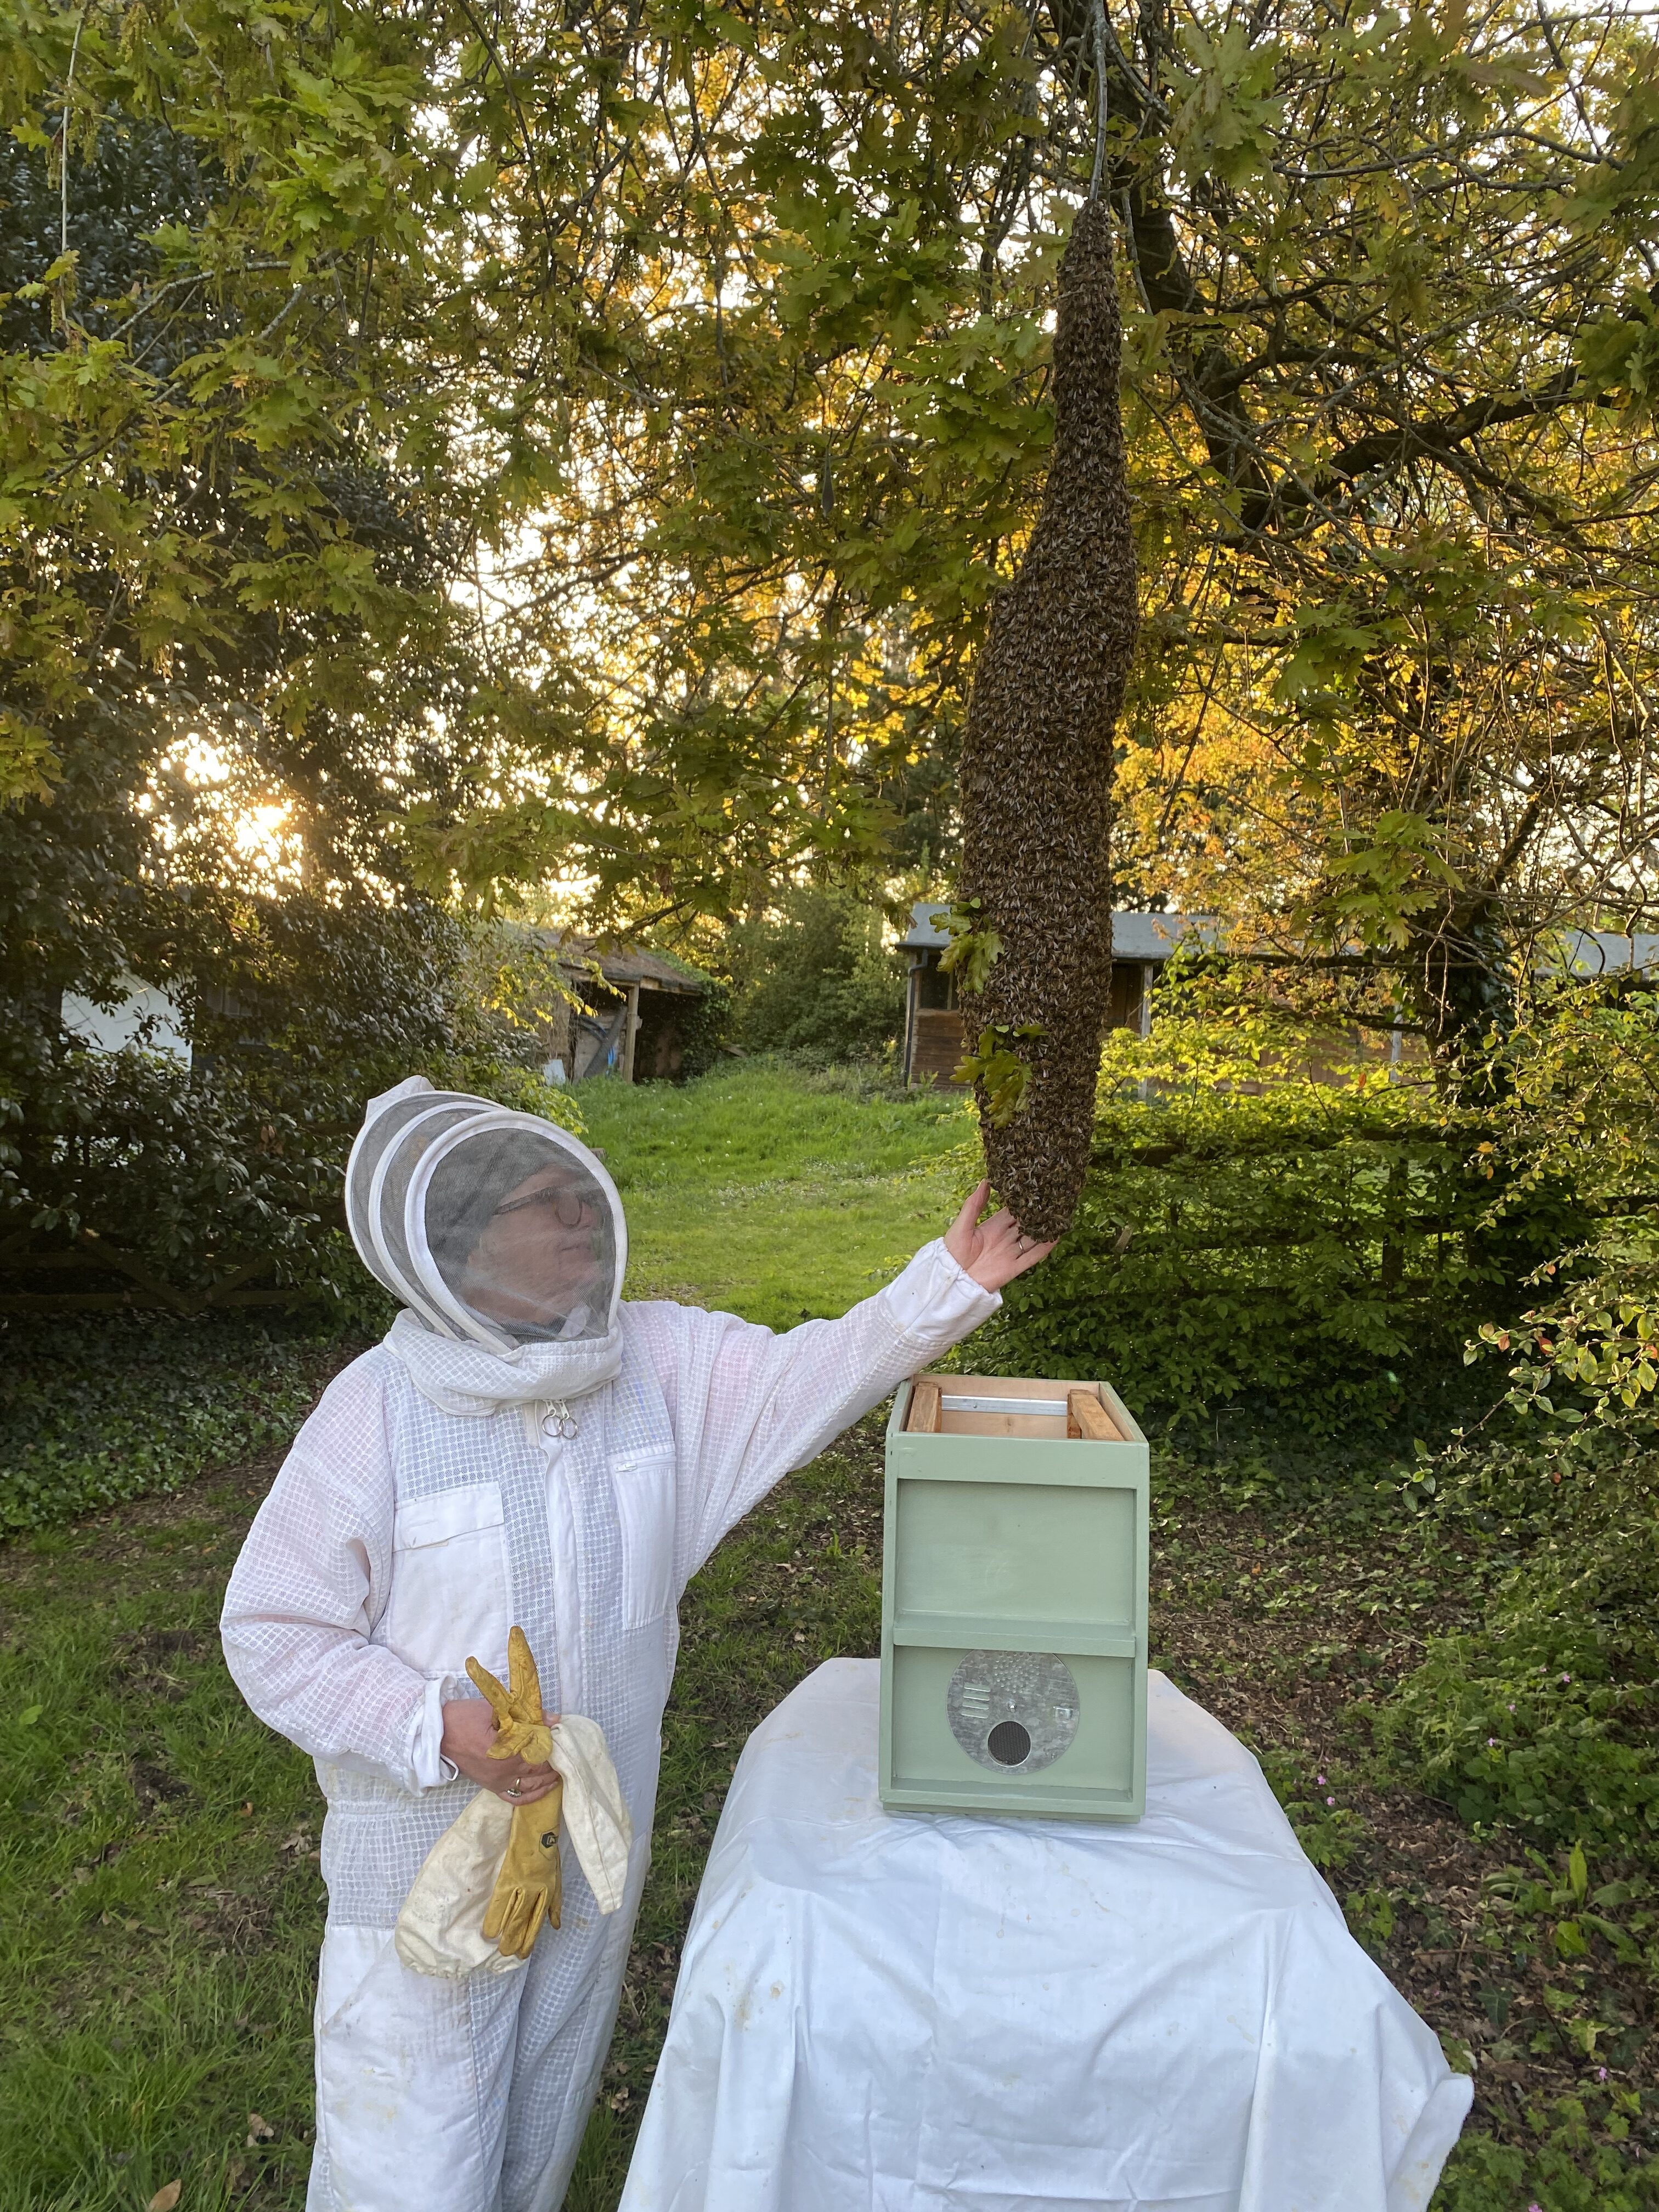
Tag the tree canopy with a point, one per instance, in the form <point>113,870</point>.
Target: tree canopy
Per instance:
<point>581,444</point>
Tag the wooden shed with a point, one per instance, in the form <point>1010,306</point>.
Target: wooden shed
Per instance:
<point>933,1041</point>
<point>631,1022</point>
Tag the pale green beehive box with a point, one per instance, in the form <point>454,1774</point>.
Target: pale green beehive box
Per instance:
<point>1014,1615</point>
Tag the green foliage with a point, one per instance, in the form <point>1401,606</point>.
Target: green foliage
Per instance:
<point>127,1175</point>
<point>1542,1720</point>
<point>117,1165</point>
<point>1579,1074</point>
<point>1565,2169</point>
<point>702,1024</point>
<point>311,344</point>
<point>92,1414</point>
<point>1564,1905</point>
<point>1250,1234</point>
<point>704,1028</point>
<point>971,954</point>
<point>816,977</point>
<point>1285,1584</point>
<point>997,1067</point>
<point>1538,1716</point>
<point>1327,1831</point>
<point>209,497</point>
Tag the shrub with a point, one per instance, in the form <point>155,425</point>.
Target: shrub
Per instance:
<point>701,1025</point>
<point>1542,1719</point>
<point>127,1178</point>
<point>1581,1073</point>
<point>1539,1719</point>
<point>817,979</point>
<point>1563,2167</point>
<point>1248,1235</point>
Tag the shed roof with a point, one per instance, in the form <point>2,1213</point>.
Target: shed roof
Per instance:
<point>1606,951</point>
<point>1154,937</point>
<point>1150,937</point>
<point>633,964</point>
<point>622,964</point>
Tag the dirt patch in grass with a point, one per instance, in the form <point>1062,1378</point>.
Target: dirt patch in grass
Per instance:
<point>114,1541</point>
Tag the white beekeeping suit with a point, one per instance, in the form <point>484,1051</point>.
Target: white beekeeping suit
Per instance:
<point>522,1447</point>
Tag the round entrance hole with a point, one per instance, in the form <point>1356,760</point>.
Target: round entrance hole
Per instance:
<point>1009,1743</point>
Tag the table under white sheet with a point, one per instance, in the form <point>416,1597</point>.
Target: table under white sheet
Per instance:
<point>919,2013</point>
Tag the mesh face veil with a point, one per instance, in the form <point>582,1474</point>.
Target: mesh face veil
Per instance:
<point>492,1226</point>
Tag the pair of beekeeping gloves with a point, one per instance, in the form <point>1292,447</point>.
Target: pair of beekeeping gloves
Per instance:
<point>493,1877</point>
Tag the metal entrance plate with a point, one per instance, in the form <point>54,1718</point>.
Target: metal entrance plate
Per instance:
<point>1015,1713</point>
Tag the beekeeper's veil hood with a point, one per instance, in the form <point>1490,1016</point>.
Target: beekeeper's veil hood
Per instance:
<point>502,1236</point>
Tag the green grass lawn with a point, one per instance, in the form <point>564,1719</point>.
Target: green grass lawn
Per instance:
<point>160,1898</point>
<point>773,1194</point>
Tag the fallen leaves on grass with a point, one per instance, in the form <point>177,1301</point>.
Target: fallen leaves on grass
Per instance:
<point>258,2130</point>
<point>165,2198</point>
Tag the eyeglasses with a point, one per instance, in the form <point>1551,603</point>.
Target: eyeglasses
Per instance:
<point>570,1205</point>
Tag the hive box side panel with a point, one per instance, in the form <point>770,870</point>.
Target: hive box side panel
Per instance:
<point>1016,1550</point>
<point>1100,1770</point>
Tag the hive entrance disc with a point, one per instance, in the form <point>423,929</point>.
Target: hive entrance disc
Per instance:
<point>1014,1712</point>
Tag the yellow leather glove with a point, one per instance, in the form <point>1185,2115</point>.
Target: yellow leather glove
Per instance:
<point>521,1728</point>
<point>529,1888</point>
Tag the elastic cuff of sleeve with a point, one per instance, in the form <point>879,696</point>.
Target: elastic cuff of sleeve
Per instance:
<point>934,1297</point>
<point>427,1766</point>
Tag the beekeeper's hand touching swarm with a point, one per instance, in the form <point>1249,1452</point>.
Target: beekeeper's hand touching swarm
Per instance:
<point>992,1252</point>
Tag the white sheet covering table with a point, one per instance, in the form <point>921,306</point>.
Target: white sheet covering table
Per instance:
<point>919,2013</point>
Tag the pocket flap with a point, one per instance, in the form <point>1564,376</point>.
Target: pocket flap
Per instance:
<point>448,1513</point>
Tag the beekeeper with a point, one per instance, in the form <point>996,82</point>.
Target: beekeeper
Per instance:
<point>521,1449</point>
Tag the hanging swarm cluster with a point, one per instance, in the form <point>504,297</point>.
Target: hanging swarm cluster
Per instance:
<point>1037,768</point>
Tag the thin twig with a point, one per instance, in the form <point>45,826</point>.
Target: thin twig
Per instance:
<point>1100,98</point>
<point>63,164</point>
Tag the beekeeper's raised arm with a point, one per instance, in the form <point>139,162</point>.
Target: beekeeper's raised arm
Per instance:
<point>747,1405</point>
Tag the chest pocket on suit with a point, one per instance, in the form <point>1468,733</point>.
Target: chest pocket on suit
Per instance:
<point>643,1484</point>
<point>449,1584</point>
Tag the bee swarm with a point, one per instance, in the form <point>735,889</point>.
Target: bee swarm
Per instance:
<point>1036,770</point>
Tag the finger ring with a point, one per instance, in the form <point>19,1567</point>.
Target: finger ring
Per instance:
<point>512,1789</point>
